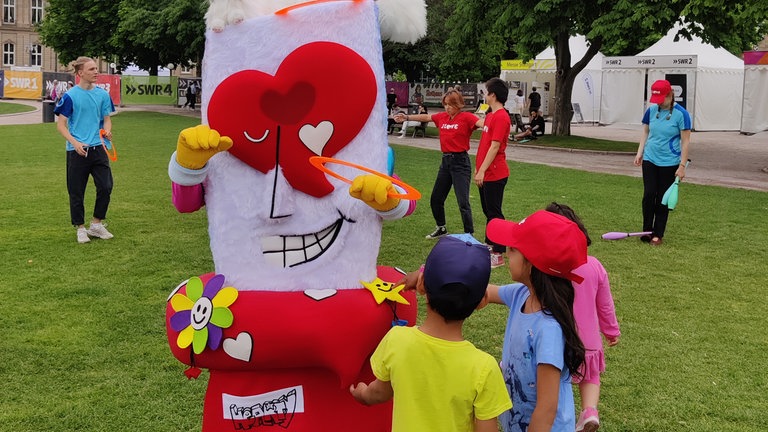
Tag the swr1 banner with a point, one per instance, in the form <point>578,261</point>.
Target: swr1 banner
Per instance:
<point>23,85</point>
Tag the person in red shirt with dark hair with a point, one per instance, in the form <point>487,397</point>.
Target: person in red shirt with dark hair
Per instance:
<point>455,170</point>
<point>491,163</point>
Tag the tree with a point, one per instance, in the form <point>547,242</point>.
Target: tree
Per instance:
<point>74,28</point>
<point>159,32</point>
<point>613,27</point>
<point>147,33</point>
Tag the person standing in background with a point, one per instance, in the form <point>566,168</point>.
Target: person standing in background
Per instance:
<point>663,152</point>
<point>518,104</point>
<point>456,127</point>
<point>191,94</point>
<point>534,99</point>
<point>492,171</point>
<point>391,99</point>
<point>83,112</point>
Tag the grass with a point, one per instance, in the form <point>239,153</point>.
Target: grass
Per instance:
<point>14,108</point>
<point>84,345</point>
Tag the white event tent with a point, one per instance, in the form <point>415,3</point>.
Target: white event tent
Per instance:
<point>708,82</point>
<point>754,117</point>
<point>540,73</point>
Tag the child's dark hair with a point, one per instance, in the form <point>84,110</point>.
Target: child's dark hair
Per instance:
<point>498,88</point>
<point>564,210</point>
<point>556,297</point>
<point>453,301</point>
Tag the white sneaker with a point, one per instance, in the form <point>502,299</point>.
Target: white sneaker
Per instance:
<point>82,235</point>
<point>98,230</point>
<point>497,260</point>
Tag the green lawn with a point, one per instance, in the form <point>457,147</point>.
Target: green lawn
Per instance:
<point>84,344</point>
<point>14,108</point>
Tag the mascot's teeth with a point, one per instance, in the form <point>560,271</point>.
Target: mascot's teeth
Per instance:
<point>290,251</point>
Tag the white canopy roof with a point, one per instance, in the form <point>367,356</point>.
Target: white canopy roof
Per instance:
<point>708,56</point>
<point>579,46</point>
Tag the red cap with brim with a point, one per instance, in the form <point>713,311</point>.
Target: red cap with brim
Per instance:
<point>552,243</point>
<point>659,91</point>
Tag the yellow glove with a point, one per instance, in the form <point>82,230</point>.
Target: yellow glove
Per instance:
<point>373,190</point>
<point>197,145</point>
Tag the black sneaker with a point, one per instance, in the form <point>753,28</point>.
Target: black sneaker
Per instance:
<point>438,232</point>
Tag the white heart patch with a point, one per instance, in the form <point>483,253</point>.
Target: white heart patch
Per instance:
<point>316,137</point>
<point>320,294</point>
<point>239,348</point>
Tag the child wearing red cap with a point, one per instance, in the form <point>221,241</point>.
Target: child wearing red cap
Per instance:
<point>439,380</point>
<point>595,312</point>
<point>542,348</point>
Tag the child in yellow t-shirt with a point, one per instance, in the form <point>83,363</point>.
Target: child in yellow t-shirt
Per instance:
<point>438,380</point>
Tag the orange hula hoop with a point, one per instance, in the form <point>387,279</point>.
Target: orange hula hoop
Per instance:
<point>319,162</point>
<point>284,11</point>
<point>112,156</point>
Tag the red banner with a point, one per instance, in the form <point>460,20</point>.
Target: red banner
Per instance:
<point>110,83</point>
<point>756,57</point>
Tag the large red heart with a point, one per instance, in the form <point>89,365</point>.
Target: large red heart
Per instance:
<point>316,103</point>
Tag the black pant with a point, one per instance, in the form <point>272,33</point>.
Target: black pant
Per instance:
<point>491,198</point>
<point>518,122</point>
<point>656,181</point>
<point>455,170</point>
<point>191,101</point>
<point>96,164</point>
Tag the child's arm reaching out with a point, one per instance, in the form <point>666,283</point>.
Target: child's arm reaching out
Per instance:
<point>493,294</point>
<point>371,394</point>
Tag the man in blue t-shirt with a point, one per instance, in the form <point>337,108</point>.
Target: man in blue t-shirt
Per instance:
<point>83,112</point>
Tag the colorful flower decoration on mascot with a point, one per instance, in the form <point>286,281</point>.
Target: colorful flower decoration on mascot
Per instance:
<point>202,313</point>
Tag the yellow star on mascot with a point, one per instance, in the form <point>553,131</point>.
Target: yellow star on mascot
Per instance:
<point>284,324</point>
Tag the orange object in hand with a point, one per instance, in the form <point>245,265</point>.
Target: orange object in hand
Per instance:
<point>112,156</point>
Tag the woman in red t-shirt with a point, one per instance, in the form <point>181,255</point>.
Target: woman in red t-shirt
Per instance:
<point>455,170</point>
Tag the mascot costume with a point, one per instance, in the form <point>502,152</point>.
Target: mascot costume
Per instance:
<point>293,109</point>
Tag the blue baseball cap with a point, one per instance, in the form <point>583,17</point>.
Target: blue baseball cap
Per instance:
<point>461,262</point>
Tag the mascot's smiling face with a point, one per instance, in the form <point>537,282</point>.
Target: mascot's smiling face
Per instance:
<point>285,88</point>
<point>299,112</point>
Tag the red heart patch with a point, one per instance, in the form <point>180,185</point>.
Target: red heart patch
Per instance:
<point>318,100</point>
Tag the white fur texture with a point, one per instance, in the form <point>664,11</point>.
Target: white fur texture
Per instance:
<point>400,20</point>
<point>238,197</point>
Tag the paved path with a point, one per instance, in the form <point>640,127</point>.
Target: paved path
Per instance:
<point>725,159</point>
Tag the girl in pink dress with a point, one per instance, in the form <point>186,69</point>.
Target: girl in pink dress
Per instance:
<point>595,313</point>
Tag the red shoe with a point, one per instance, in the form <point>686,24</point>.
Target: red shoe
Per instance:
<point>656,241</point>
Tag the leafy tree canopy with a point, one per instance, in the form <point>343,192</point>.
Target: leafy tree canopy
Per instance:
<point>482,31</point>
<point>147,33</point>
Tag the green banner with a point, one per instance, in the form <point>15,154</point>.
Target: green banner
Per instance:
<point>149,90</point>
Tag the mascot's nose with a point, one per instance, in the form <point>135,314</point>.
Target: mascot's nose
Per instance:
<point>284,11</point>
<point>282,202</point>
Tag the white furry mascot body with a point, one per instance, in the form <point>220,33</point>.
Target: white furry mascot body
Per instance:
<point>285,324</point>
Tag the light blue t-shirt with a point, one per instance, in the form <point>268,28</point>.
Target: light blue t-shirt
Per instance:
<point>85,111</point>
<point>531,340</point>
<point>662,148</point>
